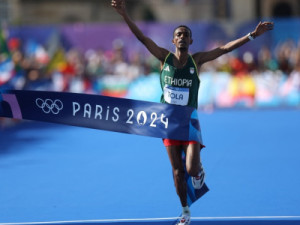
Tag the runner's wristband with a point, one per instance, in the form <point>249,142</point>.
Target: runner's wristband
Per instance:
<point>251,38</point>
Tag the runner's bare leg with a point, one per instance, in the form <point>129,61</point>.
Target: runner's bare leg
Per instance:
<point>175,156</point>
<point>193,161</point>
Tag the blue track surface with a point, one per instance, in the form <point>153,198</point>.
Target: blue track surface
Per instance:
<point>59,173</point>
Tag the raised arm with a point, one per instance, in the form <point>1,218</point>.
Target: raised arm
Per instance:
<point>154,49</point>
<point>203,57</point>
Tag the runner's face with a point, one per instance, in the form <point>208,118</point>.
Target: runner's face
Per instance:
<point>182,38</point>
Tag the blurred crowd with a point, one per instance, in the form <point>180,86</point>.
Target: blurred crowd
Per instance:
<point>239,77</point>
<point>271,77</point>
<point>77,71</point>
<point>285,57</point>
<point>71,70</point>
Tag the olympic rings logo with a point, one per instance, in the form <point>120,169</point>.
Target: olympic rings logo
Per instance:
<point>49,105</point>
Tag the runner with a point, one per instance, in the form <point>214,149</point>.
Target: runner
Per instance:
<point>180,84</point>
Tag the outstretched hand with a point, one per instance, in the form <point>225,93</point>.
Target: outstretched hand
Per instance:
<point>263,27</point>
<point>119,6</point>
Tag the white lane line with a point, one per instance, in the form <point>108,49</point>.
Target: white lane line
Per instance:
<point>157,219</point>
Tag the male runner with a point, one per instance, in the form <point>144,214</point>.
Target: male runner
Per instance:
<point>179,77</point>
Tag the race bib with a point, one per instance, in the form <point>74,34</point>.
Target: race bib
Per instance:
<point>176,95</point>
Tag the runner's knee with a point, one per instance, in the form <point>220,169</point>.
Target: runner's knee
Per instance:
<point>192,170</point>
<point>178,174</point>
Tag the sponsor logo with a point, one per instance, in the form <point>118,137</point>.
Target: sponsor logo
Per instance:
<point>167,69</point>
<point>49,106</point>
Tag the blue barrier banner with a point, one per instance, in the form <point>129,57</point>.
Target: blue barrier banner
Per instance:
<point>192,194</point>
<point>104,113</point>
<point>107,113</point>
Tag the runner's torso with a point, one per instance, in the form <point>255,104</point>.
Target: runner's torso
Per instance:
<point>180,85</point>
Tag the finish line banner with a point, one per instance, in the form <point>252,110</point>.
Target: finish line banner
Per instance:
<point>107,113</point>
<point>104,113</point>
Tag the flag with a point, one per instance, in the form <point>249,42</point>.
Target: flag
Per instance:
<point>35,50</point>
<point>58,62</point>
<point>4,50</point>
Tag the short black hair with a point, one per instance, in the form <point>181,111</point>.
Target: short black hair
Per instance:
<point>184,26</point>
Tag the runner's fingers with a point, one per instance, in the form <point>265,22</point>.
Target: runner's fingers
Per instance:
<point>268,25</point>
<point>116,3</point>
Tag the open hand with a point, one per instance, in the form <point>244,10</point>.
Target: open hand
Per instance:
<point>263,27</point>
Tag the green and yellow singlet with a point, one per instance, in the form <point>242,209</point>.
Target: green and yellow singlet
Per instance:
<point>180,86</point>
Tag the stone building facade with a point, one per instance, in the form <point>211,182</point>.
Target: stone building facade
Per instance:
<point>41,12</point>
